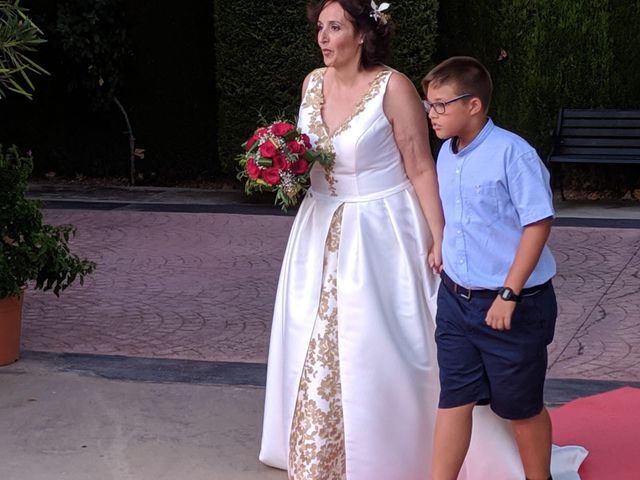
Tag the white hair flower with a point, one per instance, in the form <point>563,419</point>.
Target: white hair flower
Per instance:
<point>377,12</point>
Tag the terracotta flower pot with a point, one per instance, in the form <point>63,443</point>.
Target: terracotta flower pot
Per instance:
<point>10,325</point>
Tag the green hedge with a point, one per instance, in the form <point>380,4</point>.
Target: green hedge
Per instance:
<point>415,40</point>
<point>560,53</point>
<point>265,48</point>
<point>193,96</point>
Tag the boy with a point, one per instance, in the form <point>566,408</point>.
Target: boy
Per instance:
<point>496,305</point>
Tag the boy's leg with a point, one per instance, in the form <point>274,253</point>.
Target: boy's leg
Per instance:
<point>533,436</point>
<point>516,366</point>
<point>451,441</point>
<point>463,381</point>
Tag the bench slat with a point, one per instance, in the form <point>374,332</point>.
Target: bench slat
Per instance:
<point>592,159</point>
<point>630,123</point>
<point>599,132</point>
<point>582,113</point>
<point>599,142</point>
<point>603,152</point>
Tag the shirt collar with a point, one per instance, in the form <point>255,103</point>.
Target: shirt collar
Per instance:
<point>480,137</point>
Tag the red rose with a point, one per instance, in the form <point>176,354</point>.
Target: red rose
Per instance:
<point>294,147</point>
<point>253,169</point>
<point>251,141</point>
<point>271,175</point>
<point>306,140</point>
<point>260,132</point>
<point>300,167</point>
<point>281,128</point>
<point>281,162</point>
<point>268,149</point>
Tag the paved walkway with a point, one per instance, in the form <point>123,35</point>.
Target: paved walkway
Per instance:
<point>168,285</point>
<point>200,286</point>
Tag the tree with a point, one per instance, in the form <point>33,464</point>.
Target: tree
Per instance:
<point>93,38</point>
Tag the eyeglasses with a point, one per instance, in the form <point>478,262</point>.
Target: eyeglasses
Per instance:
<point>440,107</point>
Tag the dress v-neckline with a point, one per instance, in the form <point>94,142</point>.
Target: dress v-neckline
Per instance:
<point>358,107</point>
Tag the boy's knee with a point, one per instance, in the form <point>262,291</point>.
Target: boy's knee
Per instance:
<point>541,417</point>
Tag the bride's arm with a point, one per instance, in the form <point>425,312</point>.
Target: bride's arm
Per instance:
<point>403,108</point>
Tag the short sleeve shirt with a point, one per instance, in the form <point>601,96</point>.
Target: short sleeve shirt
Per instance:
<point>491,190</point>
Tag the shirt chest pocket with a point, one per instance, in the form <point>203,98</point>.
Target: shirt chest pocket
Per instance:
<point>482,200</point>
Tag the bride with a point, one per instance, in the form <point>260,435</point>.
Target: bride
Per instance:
<point>352,382</point>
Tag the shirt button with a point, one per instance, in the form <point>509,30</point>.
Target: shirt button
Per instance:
<point>458,201</point>
<point>459,232</point>
<point>457,171</point>
<point>461,261</point>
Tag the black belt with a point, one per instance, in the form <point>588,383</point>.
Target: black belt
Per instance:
<point>467,293</point>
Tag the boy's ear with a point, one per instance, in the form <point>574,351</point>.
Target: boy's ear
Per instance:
<point>475,106</point>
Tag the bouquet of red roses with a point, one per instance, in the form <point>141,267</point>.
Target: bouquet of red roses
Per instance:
<point>278,158</point>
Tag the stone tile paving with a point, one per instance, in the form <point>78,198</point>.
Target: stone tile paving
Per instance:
<point>201,287</point>
<point>168,285</point>
<point>598,284</point>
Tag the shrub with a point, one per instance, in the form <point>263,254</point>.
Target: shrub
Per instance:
<point>29,248</point>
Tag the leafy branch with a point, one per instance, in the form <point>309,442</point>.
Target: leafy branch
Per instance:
<point>19,37</point>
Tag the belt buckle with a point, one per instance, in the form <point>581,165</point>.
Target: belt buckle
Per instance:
<point>463,292</point>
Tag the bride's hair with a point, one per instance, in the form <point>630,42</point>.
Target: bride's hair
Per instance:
<point>376,45</point>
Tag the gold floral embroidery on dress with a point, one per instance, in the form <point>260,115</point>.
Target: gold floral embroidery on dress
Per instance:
<point>333,237</point>
<point>374,89</point>
<point>314,99</point>
<point>316,443</point>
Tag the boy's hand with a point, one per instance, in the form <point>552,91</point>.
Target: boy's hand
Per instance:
<point>435,257</point>
<point>500,313</point>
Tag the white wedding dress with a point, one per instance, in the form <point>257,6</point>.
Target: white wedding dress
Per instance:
<point>352,383</point>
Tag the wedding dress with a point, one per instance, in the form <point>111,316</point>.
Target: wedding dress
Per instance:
<point>352,383</point>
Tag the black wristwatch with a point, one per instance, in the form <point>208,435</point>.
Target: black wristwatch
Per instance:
<point>508,295</point>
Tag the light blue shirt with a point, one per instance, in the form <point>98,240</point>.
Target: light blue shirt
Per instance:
<point>490,190</point>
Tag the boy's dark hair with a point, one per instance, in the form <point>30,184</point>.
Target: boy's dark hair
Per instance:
<point>466,75</point>
<point>377,34</point>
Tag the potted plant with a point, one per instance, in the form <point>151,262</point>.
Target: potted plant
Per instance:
<point>30,250</point>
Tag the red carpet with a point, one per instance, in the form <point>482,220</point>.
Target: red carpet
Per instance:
<point>608,425</point>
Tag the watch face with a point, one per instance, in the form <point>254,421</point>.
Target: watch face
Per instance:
<point>508,295</point>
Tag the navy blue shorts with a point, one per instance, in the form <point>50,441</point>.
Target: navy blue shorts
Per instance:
<point>505,369</point>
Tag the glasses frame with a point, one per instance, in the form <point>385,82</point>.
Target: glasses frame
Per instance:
<point>441,107</point>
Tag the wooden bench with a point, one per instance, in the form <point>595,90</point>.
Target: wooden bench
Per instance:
<point>595,136</point>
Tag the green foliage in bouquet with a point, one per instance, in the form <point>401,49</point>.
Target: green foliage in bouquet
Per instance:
<point>31,250</point>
